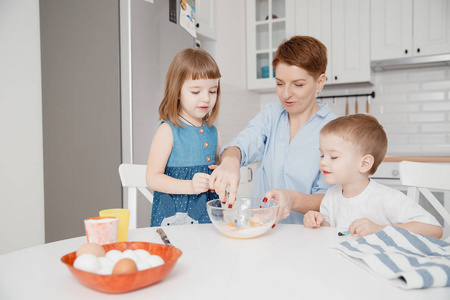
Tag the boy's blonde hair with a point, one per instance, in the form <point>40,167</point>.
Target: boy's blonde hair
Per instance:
<point>304,52</point>
<point>365,132</point>
<point>188,64</point>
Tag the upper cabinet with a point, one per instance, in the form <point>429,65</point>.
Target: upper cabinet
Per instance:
<point>342,25</point>
<point>344,28</point>
<point>269,23</point>
<point>205,11</point>
<point>350,41</point>
<point>408,28</point>
<point>313,18</point>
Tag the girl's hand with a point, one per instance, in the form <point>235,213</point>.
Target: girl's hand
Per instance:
<point>200,183</point>
<point>312,219</point>
<point>285,198</point>
<point>364,227</point>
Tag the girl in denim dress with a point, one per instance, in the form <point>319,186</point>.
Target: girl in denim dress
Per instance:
<point>186,142</point>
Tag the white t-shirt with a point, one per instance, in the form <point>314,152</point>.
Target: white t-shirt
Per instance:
<point>380,204</point>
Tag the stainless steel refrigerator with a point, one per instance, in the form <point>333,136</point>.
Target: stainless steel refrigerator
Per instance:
<point>103,70</point>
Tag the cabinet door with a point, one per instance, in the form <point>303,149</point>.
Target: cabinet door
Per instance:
<point>269,23</point>
<point>431,27</point>
<point>206,18</point>
<point>391,25</point>
<point>350,33</point>
<point>313,18</point>
<point>246,181</point>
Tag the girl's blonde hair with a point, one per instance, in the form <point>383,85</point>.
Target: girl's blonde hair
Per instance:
<point>188,64</point>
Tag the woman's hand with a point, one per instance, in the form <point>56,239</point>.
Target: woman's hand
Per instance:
<point>226,174</point>
<point>286,200</point>
<point>200,183</point>
<point>312,219</point>
<point>364,227</point>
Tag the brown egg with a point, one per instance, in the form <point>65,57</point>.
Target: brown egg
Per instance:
<point>91,248</point>
<point>124,266</point>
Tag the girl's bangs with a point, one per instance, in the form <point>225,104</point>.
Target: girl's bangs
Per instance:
<point>204,71</point>
<point>204,75</point>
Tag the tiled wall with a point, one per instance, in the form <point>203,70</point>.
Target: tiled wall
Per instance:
<point>413,105</point>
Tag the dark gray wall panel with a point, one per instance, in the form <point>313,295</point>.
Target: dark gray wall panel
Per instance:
<point>81,112</point>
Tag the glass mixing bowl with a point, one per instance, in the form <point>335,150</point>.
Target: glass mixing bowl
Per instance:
<point>248,218</point>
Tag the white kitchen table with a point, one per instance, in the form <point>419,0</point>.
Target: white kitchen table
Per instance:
<point>288,262</point>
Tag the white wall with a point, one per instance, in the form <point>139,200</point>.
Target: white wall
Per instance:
<point>21,164</point>
<point>413,105</point>
<point>238,105</point>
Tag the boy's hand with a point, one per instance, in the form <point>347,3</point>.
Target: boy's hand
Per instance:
<point>364,227</point>
<point>200,183</point>
<point>312,219</point>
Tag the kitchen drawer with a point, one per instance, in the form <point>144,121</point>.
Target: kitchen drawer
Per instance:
<point>246,182</point>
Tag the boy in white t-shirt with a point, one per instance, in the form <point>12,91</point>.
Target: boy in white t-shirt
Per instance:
<point>352,148</point>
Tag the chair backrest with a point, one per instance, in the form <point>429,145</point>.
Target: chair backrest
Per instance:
<point>420,177</point>
<point>133,178</point>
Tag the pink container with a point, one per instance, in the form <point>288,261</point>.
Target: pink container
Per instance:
<point>101,230</point>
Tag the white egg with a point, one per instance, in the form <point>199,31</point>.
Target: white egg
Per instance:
<point>130,254</point>
<point>104,261</point>
<point>106,270</point>
<point>114,255</point>
<point>142,265</point>
<point>142,254</point>
<point>155,260</point>
<point>87,262</point>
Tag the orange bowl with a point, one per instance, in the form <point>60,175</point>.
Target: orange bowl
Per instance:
<point>116,284</point>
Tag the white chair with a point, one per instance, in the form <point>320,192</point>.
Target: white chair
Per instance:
<point>133,178</point>
<point>420,177</point>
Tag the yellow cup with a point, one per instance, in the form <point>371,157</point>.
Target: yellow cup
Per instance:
<point>124,219</point>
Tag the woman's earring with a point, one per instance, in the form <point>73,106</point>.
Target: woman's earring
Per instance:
<point>317,94</point>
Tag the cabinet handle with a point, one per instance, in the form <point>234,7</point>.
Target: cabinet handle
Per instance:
<point>250,174</point>
<point>418,50</point>
<point>406,51</point>
<point>335,77</point>
<point>197,25</point>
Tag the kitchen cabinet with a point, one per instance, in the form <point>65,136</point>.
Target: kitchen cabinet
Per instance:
<point>205,11</point>
<point>344,28</point>
<point>269,23</point>
<point>246,181</point>
<point>409,28</point>
<point>313,18</point>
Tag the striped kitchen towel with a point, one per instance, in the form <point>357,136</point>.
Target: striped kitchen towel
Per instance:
<point>396,253</point>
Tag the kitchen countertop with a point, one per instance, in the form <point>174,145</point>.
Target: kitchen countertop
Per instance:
<point>398,158</point>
